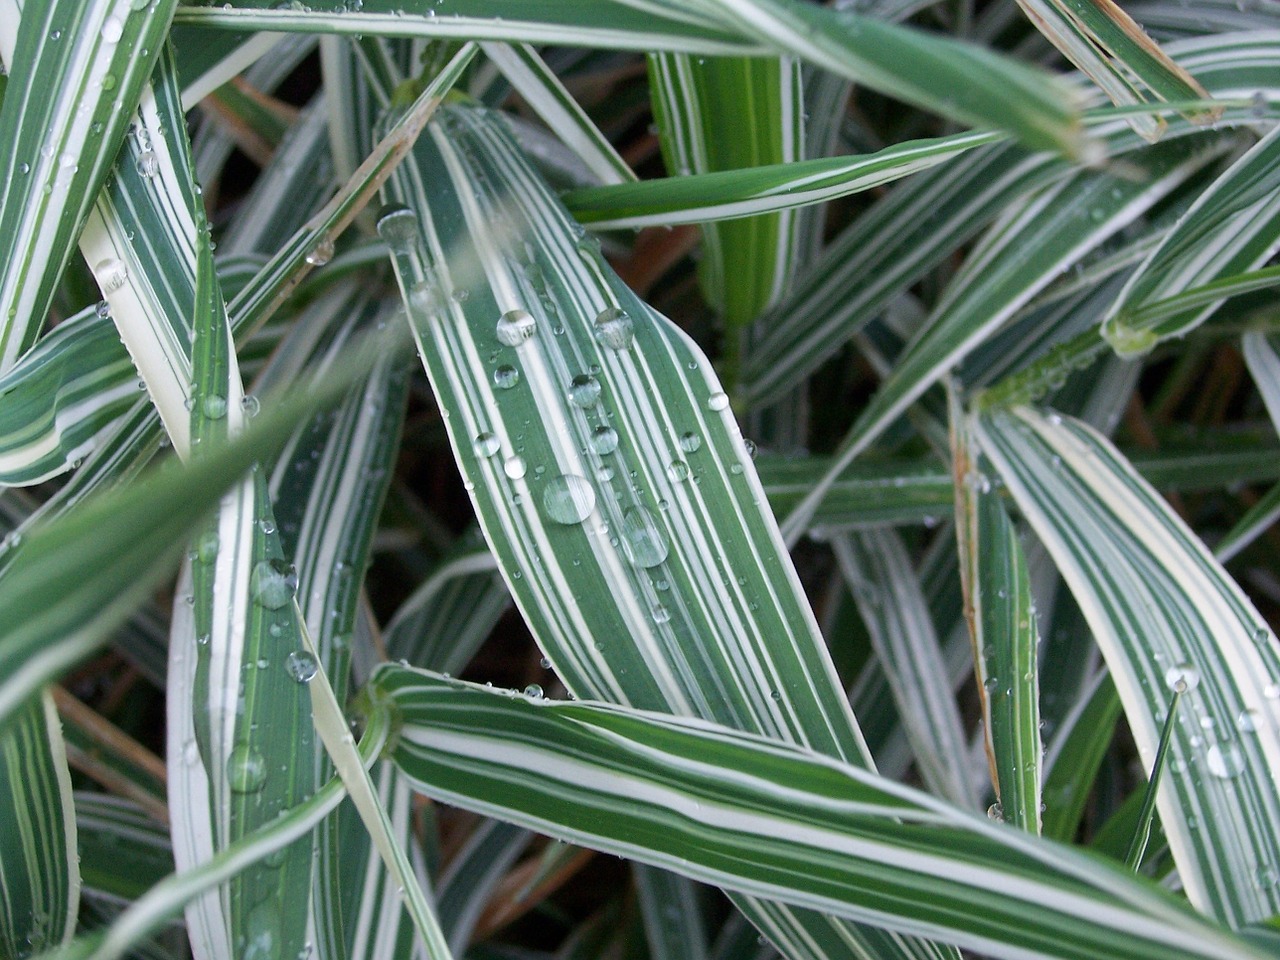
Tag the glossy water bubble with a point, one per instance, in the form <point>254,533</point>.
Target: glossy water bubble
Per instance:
<point>515,467</point>
<point>584,390</point>
<point>112,274</point>
<point>515,327</point>
<point>1225,761</point>
<point>677,471</point>
<point>533,691</point>
<point>485,445</point>
<point>718,401</point>
<point>321,253</point>
<point>614,329</point>
<point>506,377</point>
<point>568,499</point>
<point>1182,677</point>
<point>246,769</point>
<point>604,439</point>
<point>398,228</point>
<point>690,442</point>
<point>214,406</point>
<point>147,164</point>
<point>301,666</point>
<point>273,583</point>
<point>643,538</point>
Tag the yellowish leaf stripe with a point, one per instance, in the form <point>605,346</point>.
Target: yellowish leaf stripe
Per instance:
<point>1002,627</point>
<point>588,23</point>
<point>1017,258</point>
<point>39,864</point>
<point>71,67</point>
<point>1163,611</point>
<point>777,821</point>
<point>885,587</point>
<point>667,587</point>
<point>875,257</point>
<point>721,114</point>
<point>84,367</point>
<point>1233,227</point>
<point>745,192</point>
<point>542,90</point>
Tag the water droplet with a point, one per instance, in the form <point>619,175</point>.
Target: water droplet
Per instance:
<point>214,406</point>
<point>273,583</point>
<point>147,165</point>
<point>718,401</point>
<point>1225,762</point>
<point>996,812</point>
<point>301,666</point>
<point>398,228</point>
<point>514,467</point>
<point>321,253</point>
<point>678,471</point>
<point>112,274</point>
<point>485,445</point>
<point>102,310</point>
<point>267,526</point>
<point>1271,691</point>
<point>614,329</point>
<point>604,439</point>
<point>515,327</point>
<point>506,377</point>
<point>544,663</point>
<point>246,770</point>
<point>533,691</point>
<point>690,442</point>
<point>1182,678</point>
<point>584,391</point>
<point>643,538</point>
<point>750,447</point>
<point>250,405</point>
<point>112,30</point>
<point>1249,720</point>
<point>1261,635</point>
<point>207,547</point>
<point>568,499</point>
<point>190,753</point>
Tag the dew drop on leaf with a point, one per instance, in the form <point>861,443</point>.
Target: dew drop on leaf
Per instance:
<point>301,666</point>
<point>604,439</point>
<point>1224,762</point>
<point>214,406</point>
<point>677,471</point>
<point>718,401</point>
<point>515,327</point>
<point>514,467</point>
<point>568,499</point>
<point>643,538</point>
<point>273,583</point>
<point>614,329</point>
<point>398,228</point>
<point>506,377</point>
<point>321,253</point>
<point>533,691</point>
<point>584,390</point>
<point>147,165</point>
<point>1182,678</point>
<point>112,274</point>
<point>207,547</point>
<point>690,442</point>
<point>485,445</point>
<point>246,770</point>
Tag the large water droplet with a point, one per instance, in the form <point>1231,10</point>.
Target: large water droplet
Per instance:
<point>485,445</point>
<point>112,30</point>
<point>677,471</point>
<point>514,467</point>
<point>321,253</point>
<point>584,391</point>
<point>214,406</point>
<point>604,439</point>
<point>533,691</point>
<point>246,770</point>
<point>1182,678</point>
<point>690,442</point>
<point>718,401</point>
<point>273,583</point>
<point>112,274</point>
<point>568,498</point>
<point>515,327</point>
<point>1225,762</point>
<point>301,666</point>
<point>147,165</point>
<point>506,377</point>
<point>398,228</point>
<point>643,539</point>
<point>614,329</point>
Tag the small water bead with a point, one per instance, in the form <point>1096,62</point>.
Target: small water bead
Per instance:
<point>102,310</point>
<point>250,405</point>
<point>267,526</point>
<point>750,447</point>
<point>506,377</point>
<point>214,406</point>
<point>1261,635</point>
<point>1225,762</point>
<point>643,539</point>
<point>605,473</point>
<point>485,445</point>
<point>398,228</point>
<point>690,442</point>
<point>678,471</point>
<point>515,327</point>
<point>147,165</point>
<point>544,663</point>
<point>614,329</point>
<point>533,691</point>
<point>996,812</point>
<point>301,666</point>
<point>604,440</point>
<point>207,547</point>
<point>273,583</point>
<point>661,614</point>
<point>584,390</point>
<point>321,253</point>
<point>568,499</point>
<point>1249,720</point>
<point>514,467</point>
<point>1271,691</point>
<point>718,401</point>
<point>112,30</point>
<point>112,274</point>
<point>1182,678</point>
<point>424,297</point>
<point>246,769</point>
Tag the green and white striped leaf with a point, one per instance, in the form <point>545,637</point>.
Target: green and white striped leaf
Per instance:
<point>1233,227</point>
<point>1263,361</point>
<point>750,192</point>
<point>1018,257</point>
<point>887,590</point>
<point>1000,611</point>
<point>668,589</point>
<point>673,922</point>
<point>108,828</point>
<point>96,57</point>
<point>773,819</point>
<point>1074,756</point>
<point>39,865</point>
<point>1164,612</point>
<point>722,114</point>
